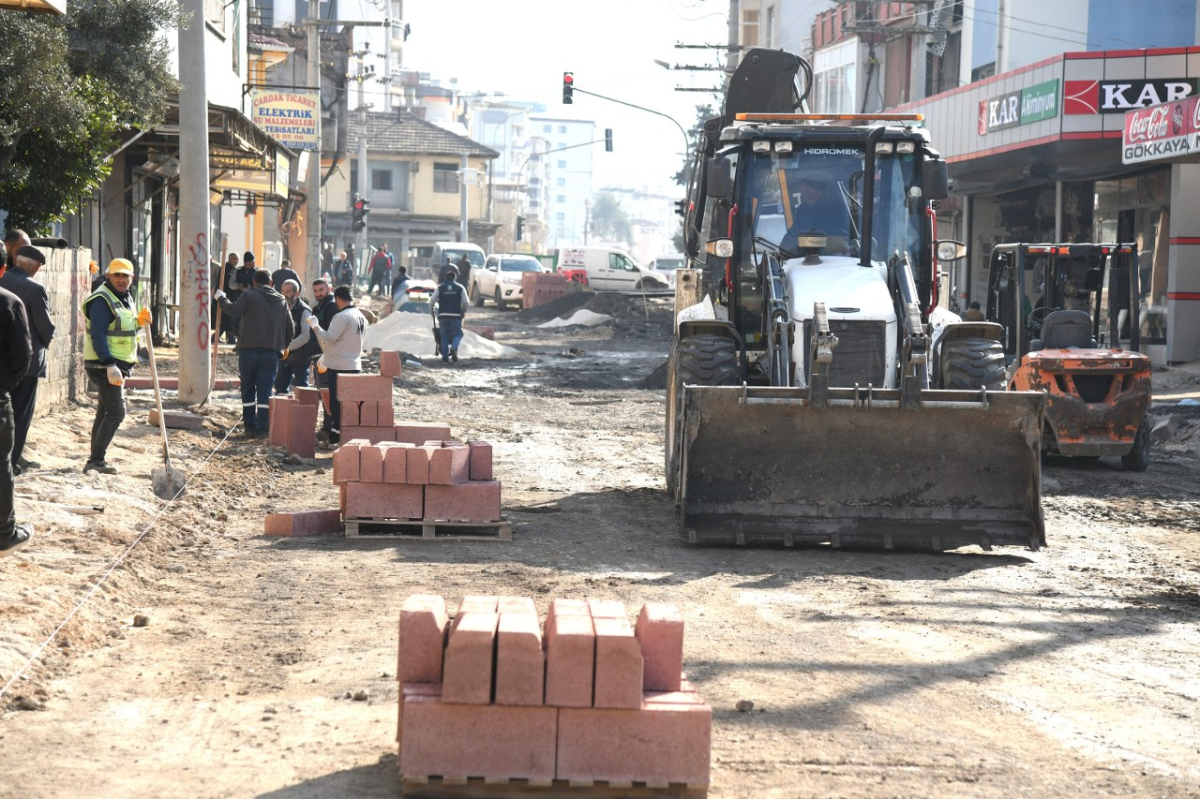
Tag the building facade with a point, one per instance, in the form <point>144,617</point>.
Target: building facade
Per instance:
<point>569,165</point>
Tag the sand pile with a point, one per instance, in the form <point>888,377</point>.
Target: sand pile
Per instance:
<point>582,317</point>
<point>413,333</point>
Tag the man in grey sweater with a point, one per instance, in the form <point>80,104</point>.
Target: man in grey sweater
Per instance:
<point>342,346</point>
<point>264,332</point>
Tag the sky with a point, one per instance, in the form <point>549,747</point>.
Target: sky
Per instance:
<point>520,48</point>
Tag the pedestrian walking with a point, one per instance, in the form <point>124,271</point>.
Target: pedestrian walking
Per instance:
<point>323,309</point>
<point>344,270</point>
<point>448,306</point>
<point>400,284</point>
<point>14,240</point>
<point>18,279</point>
<point>381,269</point>
<point>109,355</point>
<point>233,291</point>
<point>264,331</point>
<point>342,346</point>
<point>284,273</point>
<point>16,351</point>
<point>464,270</point>
<point>294,366</point>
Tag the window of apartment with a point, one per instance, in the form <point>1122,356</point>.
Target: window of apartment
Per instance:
<point>445,177</point>
<point>562,164</point>
<point>381,179</point>
<point>834,78</point>
<point>769,29</point>
<point>560,217</point>
<point>750,28</point>
<point>546,128</point>
<point>562,198</point>
<point>562,128</point>
<point>560,182</point>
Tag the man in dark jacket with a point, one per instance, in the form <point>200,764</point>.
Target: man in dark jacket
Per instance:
<point>343,272</point>
<point>19,280</point>
<point>243,278</point>
<point>264,332</point>
<point>228,326</point>
<point>284,272</point>
<point>15,353</point>
<point>323,310</point>
<point>464,270</point>
<point>293,369</point>
<point>448,306</point>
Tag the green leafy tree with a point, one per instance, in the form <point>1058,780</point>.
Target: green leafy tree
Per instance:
<point>67,85</point>
<point>609,219</point>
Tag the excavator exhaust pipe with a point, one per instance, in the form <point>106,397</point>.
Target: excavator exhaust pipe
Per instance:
<point>860,468</point>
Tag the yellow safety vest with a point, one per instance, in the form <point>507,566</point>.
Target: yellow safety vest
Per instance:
<point>122,332</point>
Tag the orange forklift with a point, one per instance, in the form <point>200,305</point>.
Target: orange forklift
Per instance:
<point>1065,310</point>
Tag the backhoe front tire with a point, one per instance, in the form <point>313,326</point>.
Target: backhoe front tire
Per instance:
<point>969,364</point>
<point>703,360</point>
<point>1138,458</point>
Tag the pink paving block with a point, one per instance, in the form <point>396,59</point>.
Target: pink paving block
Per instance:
<point>474,604</point>
<point>618,682</point>
<point>302,430</point>
<point>305,522</point>
<point>516,604</point>
<point>423,625</point>
<point>307,396</point>
<point>368,414</point>
<point>350,413</point>
<point>364,388</point>
<point>385,414</point>
<point>490,741</point>
<point>561,606</point>
<point>449,465</point>
<point>342,499</point>
<point>607,609</point>
<point>481,460</point>
<point>347,462</point>
<point>277,431</point>
<point>470,653</point>
<point>465,502</point>
<point>413,689</point>
<point>389,363</point>
<point>395,461</point>
<point>372,434</point>
<point>178,420</point>
<point>660,631</point>
<point>661,743</point>
<point>520,663</point>
<point>417,433</point>
<point>383,501</point>
<point>418,464</point>
<point>570,660</point>
<point>371,463</point>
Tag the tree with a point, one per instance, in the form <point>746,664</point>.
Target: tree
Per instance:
<point>609,219</point>
<point>67,86</point>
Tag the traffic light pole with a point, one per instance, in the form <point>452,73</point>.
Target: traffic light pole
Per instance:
<point>682,132</point>
<point>360,238</point>
<point>312,266</point>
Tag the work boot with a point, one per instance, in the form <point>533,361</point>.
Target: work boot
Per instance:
<point>454,354</point>
<point>102,466</point>
<point>18,538</point>
<point>27,464</point>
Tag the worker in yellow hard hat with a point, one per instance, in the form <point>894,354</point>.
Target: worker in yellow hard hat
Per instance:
<point>110,353</point>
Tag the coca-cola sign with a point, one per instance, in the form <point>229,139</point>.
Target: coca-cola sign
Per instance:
<point>1161,131</point>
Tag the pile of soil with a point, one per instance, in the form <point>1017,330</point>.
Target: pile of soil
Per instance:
<point>656,380</point>
<point>563,306</point>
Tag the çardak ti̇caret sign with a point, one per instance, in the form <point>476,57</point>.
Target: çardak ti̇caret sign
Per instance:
<point>1031,104</point>
<point>1161,132</point>
<point>1113,96</point>
<point>288,116</point>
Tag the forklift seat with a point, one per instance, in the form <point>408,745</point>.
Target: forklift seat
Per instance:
<point>1062,329</point>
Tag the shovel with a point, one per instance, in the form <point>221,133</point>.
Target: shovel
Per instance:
<point>168,482</point>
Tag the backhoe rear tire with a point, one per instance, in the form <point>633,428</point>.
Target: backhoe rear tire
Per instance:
<point>703,360</point>
<point>1138,458</point>
<point>969,364</point>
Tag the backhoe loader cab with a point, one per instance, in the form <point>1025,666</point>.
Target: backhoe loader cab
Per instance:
<point>814,393</point>
<point>1066,310</point>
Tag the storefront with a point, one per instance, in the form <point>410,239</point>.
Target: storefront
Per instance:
<point>1035,154</point>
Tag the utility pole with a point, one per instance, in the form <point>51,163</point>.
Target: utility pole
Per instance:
<point>735,22</point>
<point>462,197</point>
<point>313,183</point>
<point>361,236</point>
<point>195,335</point>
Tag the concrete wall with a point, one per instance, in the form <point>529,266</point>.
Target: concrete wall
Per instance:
<point>67,283</point>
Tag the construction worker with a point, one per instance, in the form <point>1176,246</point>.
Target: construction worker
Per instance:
<point>974,312</point>
<point>16,351</point>
<point>448,306</point>
<point>109,355</point>
<point>342,344</point>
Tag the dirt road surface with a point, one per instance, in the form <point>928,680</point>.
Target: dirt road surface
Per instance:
<point>266,666</point>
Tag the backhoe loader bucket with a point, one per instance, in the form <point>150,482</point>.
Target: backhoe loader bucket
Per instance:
<point>769,466</point>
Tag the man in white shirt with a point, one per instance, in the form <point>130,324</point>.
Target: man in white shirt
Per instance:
<point>342,345</point>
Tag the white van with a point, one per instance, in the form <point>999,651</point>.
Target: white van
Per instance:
<point>451,251</point>
<point>609,269</point>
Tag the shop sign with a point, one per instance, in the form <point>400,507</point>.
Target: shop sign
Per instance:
<point>289,117</point>
<point>1162,131</point>
<point>1031,104</point>
<point>1112,96</point>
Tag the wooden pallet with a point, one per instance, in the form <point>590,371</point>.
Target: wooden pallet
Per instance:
<point>479,788</point>
<point>427,530</point>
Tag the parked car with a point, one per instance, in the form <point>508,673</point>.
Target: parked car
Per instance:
<point>416,298</point>
<point>666,265</point>
<point>500,278</point>
<point>450,252</point>
<point>609,269</point>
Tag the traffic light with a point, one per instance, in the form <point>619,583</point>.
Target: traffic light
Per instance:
<point>681,207</point>
<point>520,228</point>
<point>568,87</point>
<point>362,207</point>
<point>608,140</point>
